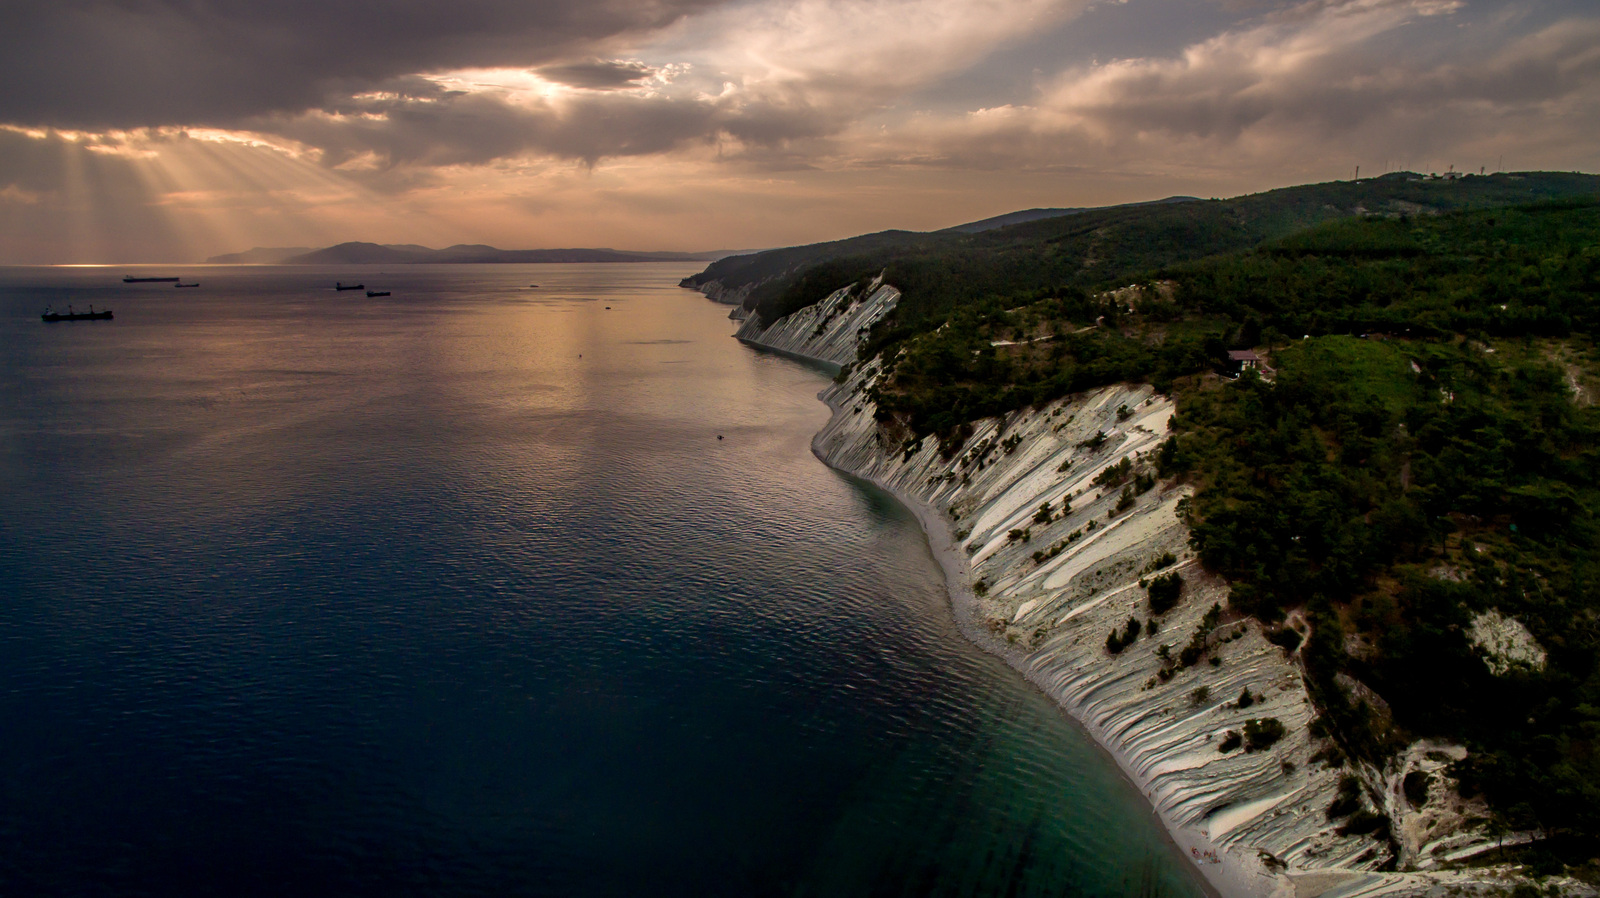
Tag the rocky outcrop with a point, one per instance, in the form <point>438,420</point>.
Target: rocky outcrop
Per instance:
<point>716,292</point>
<point>828,332</point>
<point>1505,643</point>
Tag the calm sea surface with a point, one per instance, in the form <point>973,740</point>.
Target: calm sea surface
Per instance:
<point>457,592</point>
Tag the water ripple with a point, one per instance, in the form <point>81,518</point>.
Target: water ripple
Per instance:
<point>459,593</point>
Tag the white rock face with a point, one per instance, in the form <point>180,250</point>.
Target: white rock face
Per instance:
<point>716,292</point>
<point>1505,643</point>
<point>829,331</point>
<point>1050,618</point>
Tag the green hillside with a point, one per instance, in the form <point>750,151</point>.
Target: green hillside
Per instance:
<point>943,270</point>
<point>1422,450</point>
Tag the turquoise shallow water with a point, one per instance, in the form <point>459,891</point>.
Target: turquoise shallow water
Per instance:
<point>457,592</point>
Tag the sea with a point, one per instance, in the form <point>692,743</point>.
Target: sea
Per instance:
<point>521,580</point>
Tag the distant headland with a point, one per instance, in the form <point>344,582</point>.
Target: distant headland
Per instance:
<point>356,253</point>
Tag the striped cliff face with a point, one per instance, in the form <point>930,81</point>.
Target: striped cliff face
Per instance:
<point>829,331</point>
<point>1047,555</point>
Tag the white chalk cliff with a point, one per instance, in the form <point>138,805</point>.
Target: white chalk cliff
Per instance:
<point>1045,590</point>
<point>829,331</point>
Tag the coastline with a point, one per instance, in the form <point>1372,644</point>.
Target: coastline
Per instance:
<point>1217,880</point>
<point>1045,551</point>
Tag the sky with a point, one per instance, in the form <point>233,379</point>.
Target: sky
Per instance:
<point>170,130</point>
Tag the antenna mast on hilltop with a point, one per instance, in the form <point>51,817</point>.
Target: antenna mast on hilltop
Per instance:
<point>1358,173</point>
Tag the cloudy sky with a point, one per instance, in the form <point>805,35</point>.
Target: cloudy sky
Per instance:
<point>168,130</point>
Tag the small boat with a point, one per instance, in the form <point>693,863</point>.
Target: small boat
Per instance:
<point>130,279</point>
<point>71,315</point>
<point>377,292</point>
<point>195,284</point>
<point>339,286</point>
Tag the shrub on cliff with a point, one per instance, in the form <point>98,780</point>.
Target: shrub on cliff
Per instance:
<point>1116,642</point>
<point>1113,475</point>
<point>1262,733</point>
<point>1124,502</point>
<point>1287,638</point>
<point>1348,800</point>
<point>1165,591</point>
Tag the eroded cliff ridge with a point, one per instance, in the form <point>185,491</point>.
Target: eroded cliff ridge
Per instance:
<point>829,331</point>
<point>1053,531</point>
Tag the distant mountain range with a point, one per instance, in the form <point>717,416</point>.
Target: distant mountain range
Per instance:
<point>355,253</point>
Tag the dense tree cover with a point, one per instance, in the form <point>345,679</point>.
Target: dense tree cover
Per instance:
<point>1422,449</point>
<point>942,271</point>
<point>1392,506</point>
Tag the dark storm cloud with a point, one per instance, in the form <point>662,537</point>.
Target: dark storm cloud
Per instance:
<point>94,64</point>
<point>415,122</point>
<point>597,75</point>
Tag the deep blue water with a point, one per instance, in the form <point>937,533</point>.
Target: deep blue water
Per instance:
<point>457,593</point>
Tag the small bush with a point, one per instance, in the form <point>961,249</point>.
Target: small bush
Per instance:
<point>1287,637</point>
<point>1262,733</point>
<point>1021,536</point>
<point>1246,699</point>
<point>1331,756</point>
<point>1116,642</point>
<point>1114,474</point>
<point>1165,591</point>
<point>1042,516</point>
<point>1199,696</point>
<point>1126,500</point>
<point>1348,801</point>
<point>1230,742</point>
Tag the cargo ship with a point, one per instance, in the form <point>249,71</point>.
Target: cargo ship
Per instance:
<point>339,286</point>
<point>70,315</point>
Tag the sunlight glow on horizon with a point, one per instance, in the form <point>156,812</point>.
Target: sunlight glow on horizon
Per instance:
<point>735,125</point>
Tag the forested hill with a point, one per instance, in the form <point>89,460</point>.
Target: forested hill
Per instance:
<point>1412,479</point>
<point>940,271</point>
